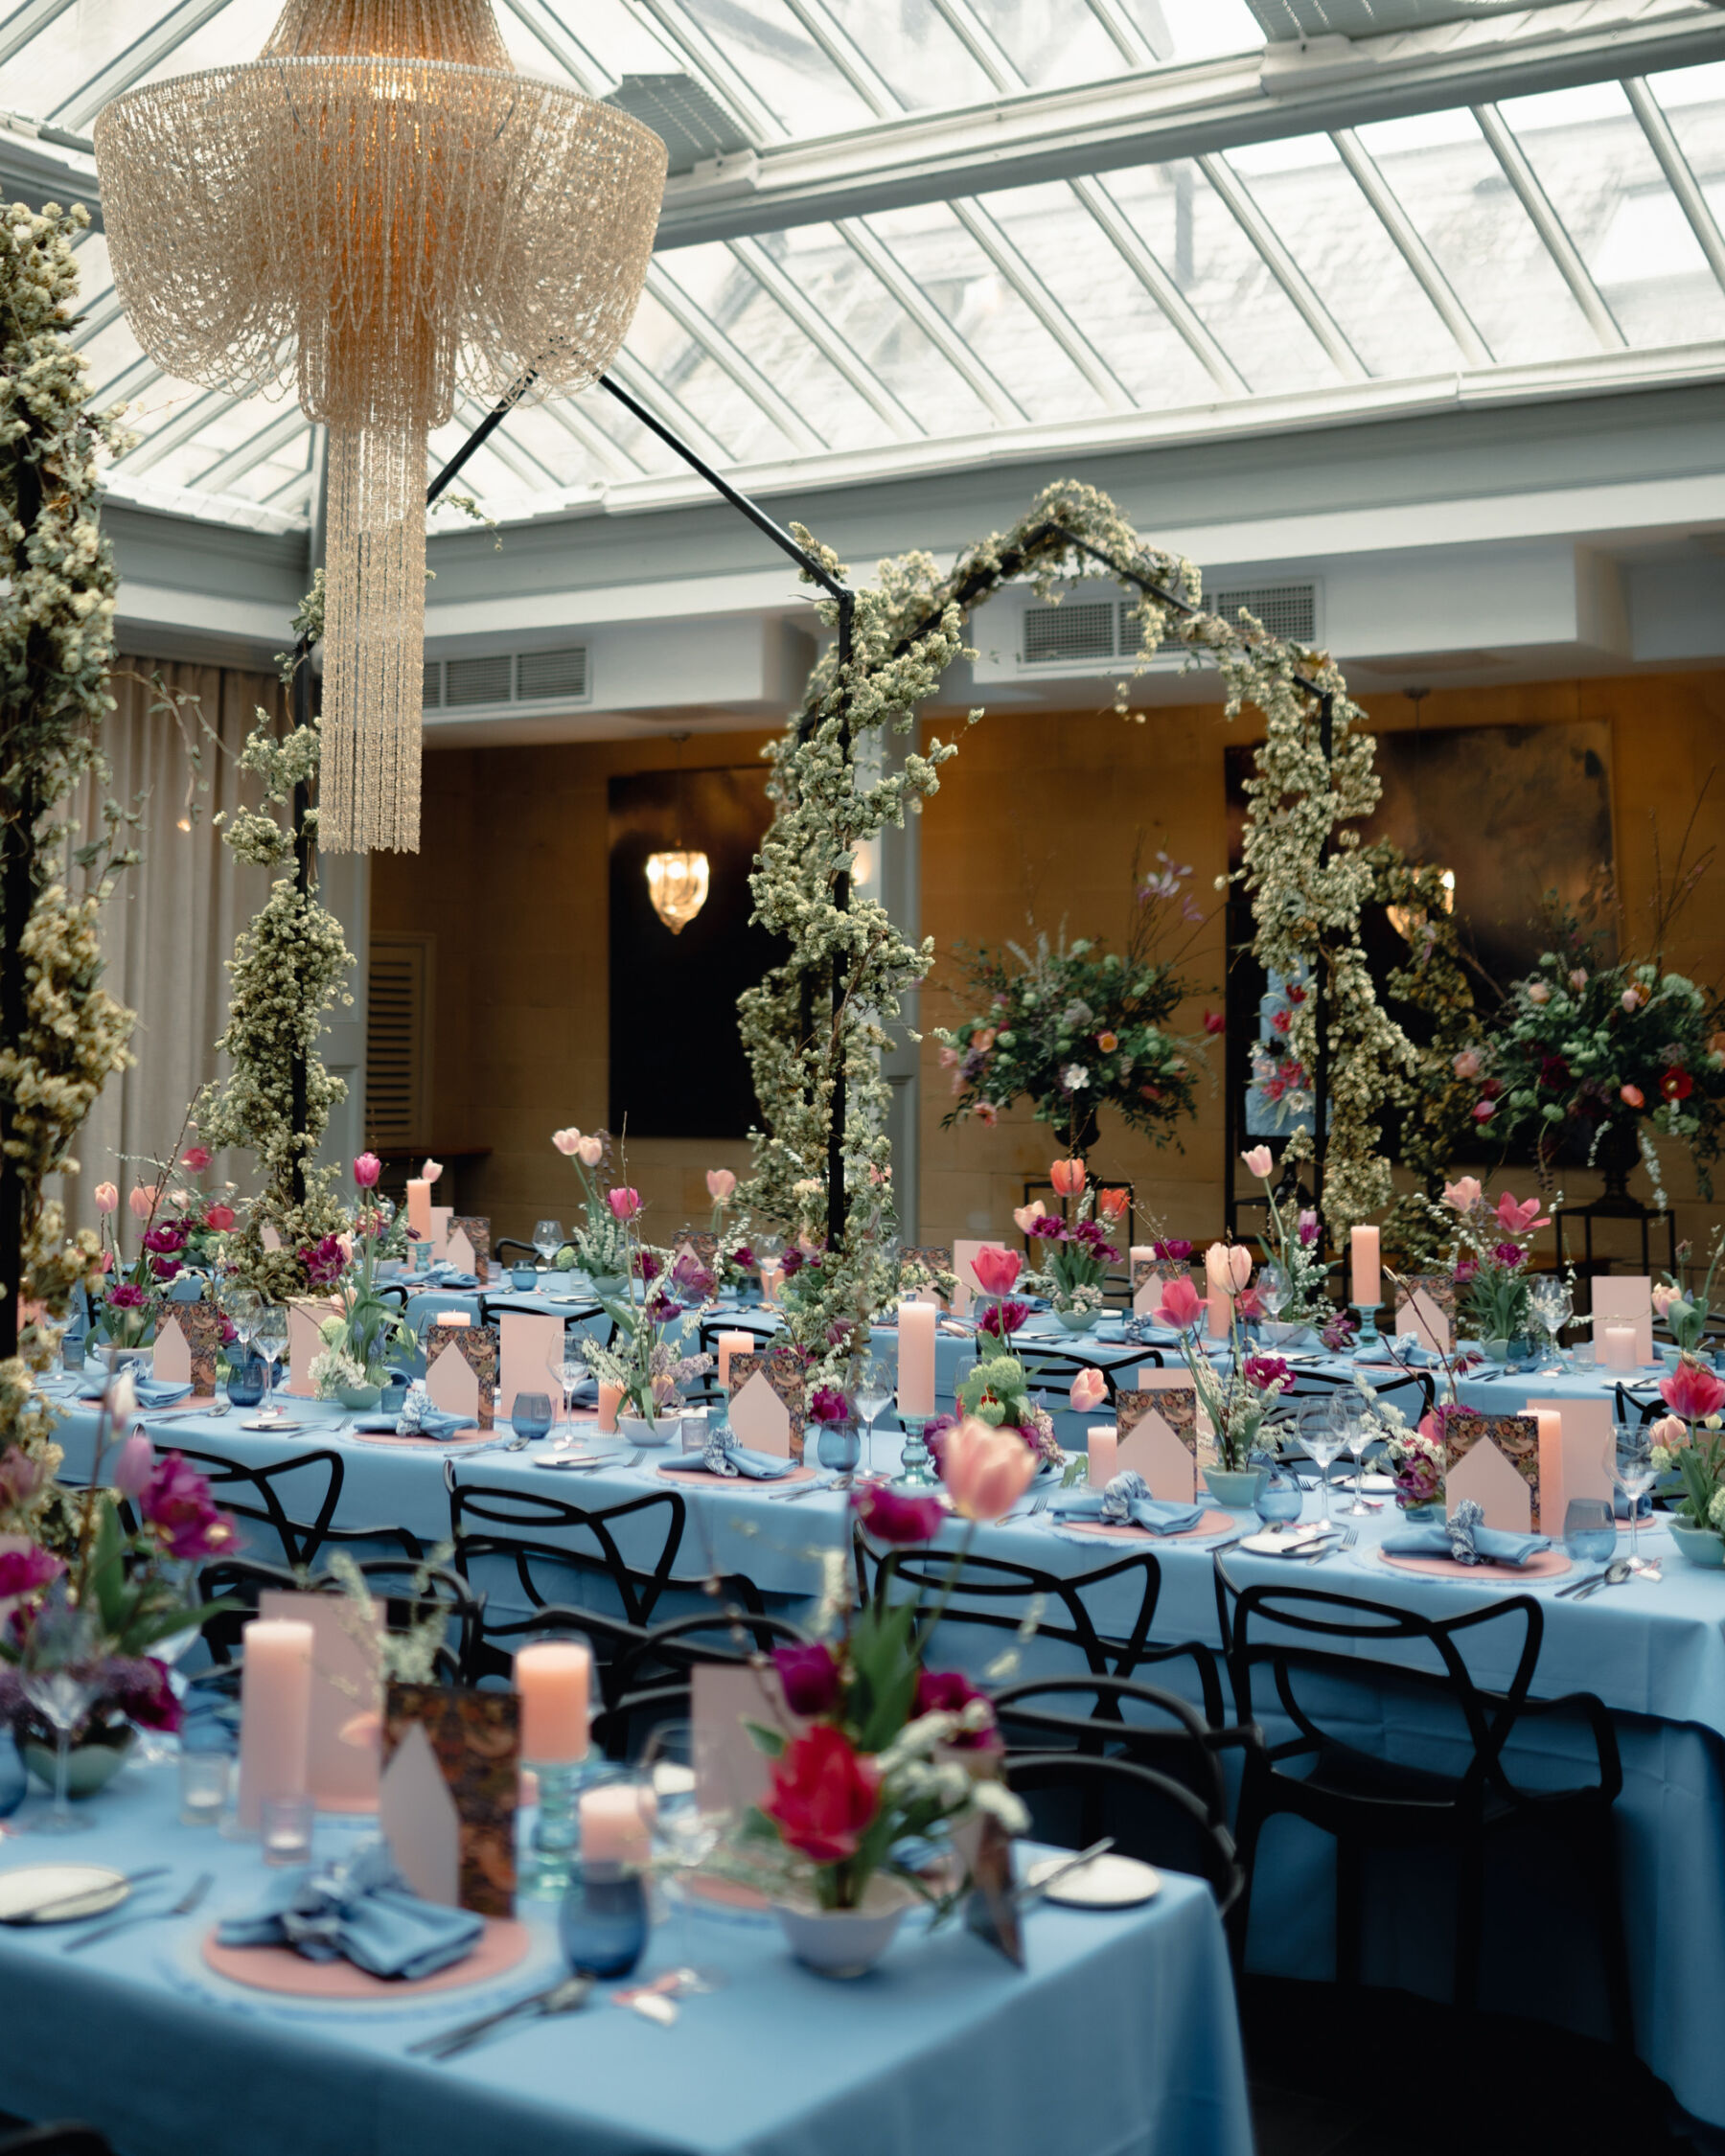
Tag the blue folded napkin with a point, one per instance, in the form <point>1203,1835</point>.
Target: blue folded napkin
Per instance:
<point>1464,1538</point>
<point>152,1392</point>
<point>723,1456</point>
<point>415,1417</point>
<point>1408,1351</point>
<point>1127,1501</point>
<point>363,1912</point>
<point>444,1277</point>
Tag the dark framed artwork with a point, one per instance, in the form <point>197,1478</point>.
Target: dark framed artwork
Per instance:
<point>676,1062</point>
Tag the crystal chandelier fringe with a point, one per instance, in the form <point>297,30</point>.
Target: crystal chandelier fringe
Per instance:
<point>373,623</point>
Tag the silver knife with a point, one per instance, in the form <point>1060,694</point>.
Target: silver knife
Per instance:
<point>71,1901</point>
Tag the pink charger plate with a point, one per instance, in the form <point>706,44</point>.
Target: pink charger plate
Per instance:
<point>459,1442</point>
<point>1548,1564</point>
<point>1209,1524</point>
<point>502,1947</point>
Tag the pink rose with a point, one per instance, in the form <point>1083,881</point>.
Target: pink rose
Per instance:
<point>1466,1065</point>
<point>1539,992</point>
<point>986,1113</point>
<point>995,1269</point>
<point>722,1185</point>
<point>197,1157</point>
<point>625,1204</point>
<point>1089,1390</point>
<point>1260,1162</point>
<point>985,1470</point>
<point>106,1197</point>
<point>949,1059</point>
<point>366,1170</point>
<point>566,1141</point>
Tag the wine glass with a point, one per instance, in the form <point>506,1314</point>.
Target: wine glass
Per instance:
<point>269,1337</point>
<point>244,1307</point>
<point>1630,1460</point>
<point>1554,1304</point>
<point>1347,1418</point>
<point>569,1371</point>
<point>874,1396</point>
<point>548,1240</point>
<point>685,1820</point>
<point>1272,1289</point>
<point>58,1677</point>
<point>1321,1436</point>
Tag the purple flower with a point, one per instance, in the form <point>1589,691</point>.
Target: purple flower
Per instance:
<point>163,1268</point>
<point>1509,1255</point>
<point>133,1465</point>
<point>691,1278</point>
<point>1003,1319</point>
<point>829,1405</point>
<point>808,1678</point>
<point>1047,1228</point>
<point>324,1262</point>
<point>127,1297</point>
<point>1466,1269</point>
<point>743,1258</point>
<point>1176,1251</point>
<point>934,1437</point>
<point>792,1264</point>
<point>949,1691</point>
<point>1339,1332</point>
<point>142,1692</point>
<point>1308,1229</point>
<point>1262,1371</point>
<point>22,1572</point>
<point>167,1239</point>
<point>893,1519</point>
<point>647,1266</point>
<point>178,1504</point>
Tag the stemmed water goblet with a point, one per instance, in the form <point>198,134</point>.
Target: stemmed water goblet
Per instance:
<point>874,1396</point>
<point>1554,1304</point>
<point>683,1818</point>
<point>548,1240</point>
<point>1630,1460</point>
<point>1321,1436</point>
<point>1271,1290</point>
<point>1347,1415</point>
<point>58,1677</point>
<point>570,1370</point>
<point>269,1337</point>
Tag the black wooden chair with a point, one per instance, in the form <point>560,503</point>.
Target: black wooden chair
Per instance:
<point>61,2137</point>
<point>410,1594</point>
<point>1324,1652</point>
<point>648,1680</point>
<point>531,1550</point>
<point>529,1250</point>
<point>1058,1367</point>
<point>309,1482</point>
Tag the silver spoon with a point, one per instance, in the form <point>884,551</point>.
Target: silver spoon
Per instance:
<point>566,1997</point>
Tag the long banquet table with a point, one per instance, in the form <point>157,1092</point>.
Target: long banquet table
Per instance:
<point>1118,2039</point>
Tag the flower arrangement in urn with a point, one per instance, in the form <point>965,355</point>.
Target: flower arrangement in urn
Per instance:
<point>883,1749</point>
<point>1075,1253</point>
<point>1075,1028</point>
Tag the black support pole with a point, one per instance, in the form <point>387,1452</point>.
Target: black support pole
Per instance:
<point>302,883</point>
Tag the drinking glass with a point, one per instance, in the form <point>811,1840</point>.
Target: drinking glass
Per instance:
<point>874,1396</point>
<point>245,1306</point>
<point>1589,1530</point>
<point>547,1239</point>
<point>1347,1418</point>
<point>1554,1305</point>
<point>271,1340</point>
<point>531,1415</point>
<point>570,1372</point>
<point>601,1922</point>
<point>1323,1440</point>
<point>203,1782</point>
<point>1272,1289</point>
<point>59,1678</point>
<point>688,1827</point>
<point>1630,1460</point>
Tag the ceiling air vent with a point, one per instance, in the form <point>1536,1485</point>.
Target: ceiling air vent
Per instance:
<point>477,680</point>
<point>1079,632</point>
<point>551,674</point>
<point>1288,611</point>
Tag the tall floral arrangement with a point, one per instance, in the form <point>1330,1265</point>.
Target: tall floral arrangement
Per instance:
<point>1293,1240</point>
<point>603,1246</point>
<point>290,971</point>
<point>1489,1249</point>
<point>61,1035</point>
<point>1240,1395</point>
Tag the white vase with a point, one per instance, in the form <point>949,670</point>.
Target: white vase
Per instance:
<point>845,1942</point>
<point>640,1431</point>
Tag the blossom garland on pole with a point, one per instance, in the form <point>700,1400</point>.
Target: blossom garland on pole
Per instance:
<point>61,1035</point>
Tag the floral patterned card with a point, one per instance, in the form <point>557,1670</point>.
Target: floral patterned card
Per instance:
<point>1149,1278</point>
<point>767,1402</point>
<point>702,1245</point>
<point>1494,1459</point>
<point>476,1345</point>
<point>1158,1439</point>
<point>476,1234</point>
<point>192,1356</point>
<point>1426,1307</point>
<point>475,1741</point>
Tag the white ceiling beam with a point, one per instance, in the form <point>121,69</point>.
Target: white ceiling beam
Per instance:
<point>1157,114</point>
<point>136,61</point>
<point>1518,170</point>
<point>1282,266</point>
<point>706,59</point>
<point>570,416</point>
<point>1678,172</point>
<point>174,433</point>
<point>981,43</point>
<point>1412,248</point>
<point>563,47</point>
<point>842,53</point>
<point>1136,47</point>
<point>23,23</point>
<point>217,477</point>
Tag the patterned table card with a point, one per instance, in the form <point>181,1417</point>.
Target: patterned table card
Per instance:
<point>767,1403</point>
<point>461,1370</point>
<point>1494,1459</point>
<point>188,1341</point>
<point>699,1243</point>
<point>1149,1276</point>
<point>347,1694</point>
<point>1158,1438</point>
<point>441,1217</point>
<point>474,1742</point>
<point>528,1344</point>
<point>1623,1299</point>
<point>1571,1455</point>
<point>469,1244</point>
<point>305,1342</point>
<point>1425,1310</point>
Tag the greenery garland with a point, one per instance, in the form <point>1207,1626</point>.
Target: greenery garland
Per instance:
<point>908,628</point>
<point>61,1035</point>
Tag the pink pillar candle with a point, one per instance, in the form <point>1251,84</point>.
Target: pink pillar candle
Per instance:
<point>1103,1446</point>
<point>1221,1313</point>
<point>553,1681</point>
<point>609,1399</point>
<point>1552,1500</point>
<point>275,1713</point>
<point>1363,1247</point>
<point>454,1318</point>
<point>916,1325</point>
<point>615,1824</point>
<point>419,1207</point>
<point>729,1344</point>
<point>1619,1347</point>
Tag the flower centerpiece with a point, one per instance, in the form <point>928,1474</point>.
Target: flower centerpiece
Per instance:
<point>642,1360</point>
<point>1594,1061</point>
<point>1236,1399</point>
<point>1294,1243</point>
<point>602,1247</point>
<point>884,1750</point>
<point>1685,1311</point>
<point>1415,1453</point>
<point>1075,1028</point>
<point>997,1393</point>
<point>352,1365</point>
<point>1691,1439</point>
<point>1489,1256</point>
<point>1076,1253</point>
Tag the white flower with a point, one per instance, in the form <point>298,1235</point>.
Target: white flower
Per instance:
<point>1074,1077</point>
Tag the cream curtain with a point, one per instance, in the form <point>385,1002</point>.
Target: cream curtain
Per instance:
<point>169,929</point>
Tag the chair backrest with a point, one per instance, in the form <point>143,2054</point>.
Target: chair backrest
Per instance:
<point>1413,1391</point>
<point>526,1548</point>
<point>1323,1650</point>
<point>1076,1798</point>
<point>997,1595</point>
<point>310,1482</point>
<point>1130,1719</point>
<point>515,1243</point>
<point>1639,1411</point>
<point>649,1679</point>
<point>410,1592</point>
<point>63,2137</point>
<point>1058,1365</point>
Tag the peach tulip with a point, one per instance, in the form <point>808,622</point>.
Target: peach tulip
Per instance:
<point>1465,1194</point>
<point>106,1197</point>
<point>1670,1432</point>
<point>143,1201</point>
<point>1113,1204</point>
<point>985,1470</point>
<point>566,1142</point>
<point>1239,1266</point>
<point>1260,1162</point>
<point>591,1152</point>
<point>722,1185</point>
<point>1089,1390</point>
<point>1025,1215</point>
<point>1068,1178</point>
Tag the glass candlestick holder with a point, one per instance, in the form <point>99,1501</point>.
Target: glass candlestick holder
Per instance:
<point>1368,1327</point>
<point>556,1828</point>
<point>916,1463</point>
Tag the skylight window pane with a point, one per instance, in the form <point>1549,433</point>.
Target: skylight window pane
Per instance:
<point>1603,180</point>
<point>1201,28</point>
<point>672,358</point>
<point>69,51</point>
<point>863,312</point>
<point>1355,267</point>
<point>782,65</point>
<point>915,51</point>
<point>724,291</point>
<point>1052,42</point>
<point>621,40</point>
<point>1068,247</point>
<point>229,39</point>
<point>979,302</point>
<point>1193,234</point>
<point>1459,201</point>
<point>1693,99</point>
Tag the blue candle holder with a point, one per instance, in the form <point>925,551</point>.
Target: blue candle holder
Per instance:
<point>1369,1328</point>
<point>916,1463</point>
<point>556,1830</point>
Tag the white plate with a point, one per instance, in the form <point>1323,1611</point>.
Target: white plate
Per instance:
<point>97,1887</point>
<point>272,1424</point>
<point>1290,1545</point>
<point>1105,1882</point>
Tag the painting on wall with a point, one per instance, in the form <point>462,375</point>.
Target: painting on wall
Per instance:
<point>677,1062</point>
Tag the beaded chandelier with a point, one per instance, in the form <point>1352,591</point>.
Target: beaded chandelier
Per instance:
<point>378,209</point>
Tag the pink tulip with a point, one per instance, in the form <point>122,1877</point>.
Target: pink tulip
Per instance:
<point>566,1141</point>
<point>1483,1111</point>
<point>1089,1390</point>
<point>196,1159</point>
<point>625,1204</point>
<point>1692,1392</point>
<point>1664,1295</point>
<point>1577,979</point>
<point>1516,1219</point>
<point>591,1152</point>
<point>366,1170</point>
<point>1466,1065</point>
<point>722,1185</point>
<point>995,1269</point>
<point>1182,1306</point>
<point>1239,1266</point>
<point>1024,1215</point>
<point>133,1465</point>
<point>430,1171</point>
<point>141,1202</point>
<point>1465,1194</point>
<point>1632,1096</point>
<point>985,1470</point>
<point>1260,1162</point>
<point>1068,1178</point>
<point>106,1197</point>
<point>1670,1432</point>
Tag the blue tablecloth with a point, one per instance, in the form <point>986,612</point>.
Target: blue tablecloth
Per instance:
<point>1120,2039</point>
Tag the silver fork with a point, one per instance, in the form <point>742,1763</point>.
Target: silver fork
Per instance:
<point>186,1904</point>
<point>1325,1549</point>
